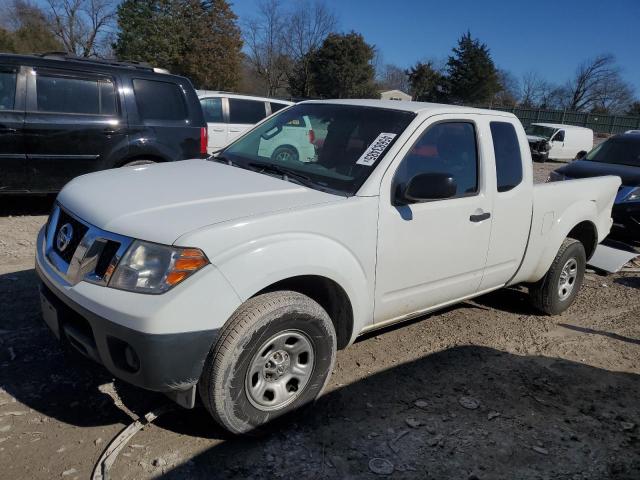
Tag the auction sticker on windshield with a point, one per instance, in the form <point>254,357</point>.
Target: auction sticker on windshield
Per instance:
<point>376,149</point>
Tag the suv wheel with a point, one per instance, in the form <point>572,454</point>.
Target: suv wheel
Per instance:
<point>137,163</point>
<point>285,153</point>
<point>557,290</point>
<point>273,356</point>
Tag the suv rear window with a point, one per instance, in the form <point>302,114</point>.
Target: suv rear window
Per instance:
<point>212,109</point>
<point>62,94</point>
<point>246,111</point>
<point>159,100</point>
<point>507,154</point>
<point>7,88</point>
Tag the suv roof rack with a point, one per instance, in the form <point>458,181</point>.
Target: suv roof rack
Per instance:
<point>101,61</point>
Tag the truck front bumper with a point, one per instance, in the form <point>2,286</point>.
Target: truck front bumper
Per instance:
<point>149,341</point>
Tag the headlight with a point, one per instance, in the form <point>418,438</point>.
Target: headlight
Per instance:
<point>555,177</point>
<point>153,268</point>
<point>634,195</point>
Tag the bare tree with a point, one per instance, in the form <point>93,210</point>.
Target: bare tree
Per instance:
<point>307,25</point>
<point>533,90</point>
<point>509,92</point>
<point>264,38</point>
<point>393,77</point>
<point>597,84</point>
<point>83,26</point>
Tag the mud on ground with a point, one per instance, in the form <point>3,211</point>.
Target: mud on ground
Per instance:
<point>487,389</point>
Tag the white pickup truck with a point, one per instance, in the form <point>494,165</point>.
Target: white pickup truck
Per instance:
<point>238,277</point>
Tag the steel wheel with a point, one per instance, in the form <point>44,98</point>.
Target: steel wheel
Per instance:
<point>567,279</point>
<point>280,370</point>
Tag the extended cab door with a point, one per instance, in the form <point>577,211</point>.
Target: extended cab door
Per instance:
<point>434,252</point>
<point>244,114</point>
<point>73,123</point>
<point>13,169</point>
<point>509,163</point>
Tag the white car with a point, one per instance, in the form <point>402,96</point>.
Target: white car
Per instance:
<point>238,277</point>
<point>229,115</point>
<point>558,142</point>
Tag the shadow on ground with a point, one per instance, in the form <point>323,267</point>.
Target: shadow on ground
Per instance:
<point>536,417</point>
<point>54,381</point>
<point>26,204</point>
<point>465,412</point>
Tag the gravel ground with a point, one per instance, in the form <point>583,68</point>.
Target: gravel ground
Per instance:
<point>487,389</point>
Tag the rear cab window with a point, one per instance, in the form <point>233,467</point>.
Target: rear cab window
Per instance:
<point>246,111</point>
<point>8,79</point>
<point>507,155</point>
<point>75,94</point>
<point>159,100</point>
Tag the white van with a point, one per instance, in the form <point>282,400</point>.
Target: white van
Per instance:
<point>558,142</point>
<point>229,115</point>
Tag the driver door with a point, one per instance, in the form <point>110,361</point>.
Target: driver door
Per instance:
<point>434,252</point>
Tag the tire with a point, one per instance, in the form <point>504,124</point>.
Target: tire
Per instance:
<point>285,153</point>
<point>548,294</point>
<point>137,163</point>
<point>276,323</point>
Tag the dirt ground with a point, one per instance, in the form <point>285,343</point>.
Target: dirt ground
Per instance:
<point>485,390</point>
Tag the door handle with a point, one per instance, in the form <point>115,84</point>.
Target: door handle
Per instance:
<point>8,130</point>
<point>218,129</point>
<point>234,130</point>
<point>480,217</point>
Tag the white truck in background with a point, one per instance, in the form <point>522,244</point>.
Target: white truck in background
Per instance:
<point>238,277</point>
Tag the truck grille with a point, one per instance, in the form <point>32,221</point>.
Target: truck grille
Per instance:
<point>82,251</point>
<point>79,230</point>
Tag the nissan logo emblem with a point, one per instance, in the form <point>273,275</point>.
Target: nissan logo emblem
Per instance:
<point>65,234</point>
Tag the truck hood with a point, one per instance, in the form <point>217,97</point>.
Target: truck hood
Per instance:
<point>629,175</point>
<point>161,202</point>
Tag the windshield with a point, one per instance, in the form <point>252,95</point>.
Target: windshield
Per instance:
<point>541,131</point>
<point>617,150</point>
<point>328,147</point>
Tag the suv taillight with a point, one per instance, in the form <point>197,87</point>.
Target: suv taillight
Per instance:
<point>312,136</point>
<point>203,140</point>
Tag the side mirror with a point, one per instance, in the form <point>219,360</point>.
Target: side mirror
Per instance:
<point>426,186</point>
<point>580,155</point>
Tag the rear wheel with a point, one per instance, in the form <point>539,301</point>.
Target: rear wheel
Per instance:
<point>557,290</point>
<point>274,356</point>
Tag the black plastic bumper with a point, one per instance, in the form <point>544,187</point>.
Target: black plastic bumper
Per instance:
<point>168,363</point>
<point>627,216</point>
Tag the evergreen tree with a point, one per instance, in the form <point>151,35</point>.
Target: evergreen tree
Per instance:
<point>342,68</point>
<point>197,39</point>
<point>426,83</point>
<point>473,77</point>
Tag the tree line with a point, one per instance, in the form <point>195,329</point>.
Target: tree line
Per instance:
<point>293,49</point>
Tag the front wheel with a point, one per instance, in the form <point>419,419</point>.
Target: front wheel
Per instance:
<point>273,356</point>
<point>557,290</point>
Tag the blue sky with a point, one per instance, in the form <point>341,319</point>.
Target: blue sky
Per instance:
<point>549,37</point>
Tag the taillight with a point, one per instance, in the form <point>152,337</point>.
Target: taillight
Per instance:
<point>203,140</point>
<point>312,136</point>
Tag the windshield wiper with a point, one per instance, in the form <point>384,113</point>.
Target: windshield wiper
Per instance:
<point>284,171</point>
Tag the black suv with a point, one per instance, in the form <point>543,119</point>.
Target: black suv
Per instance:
<point>62,116</point>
